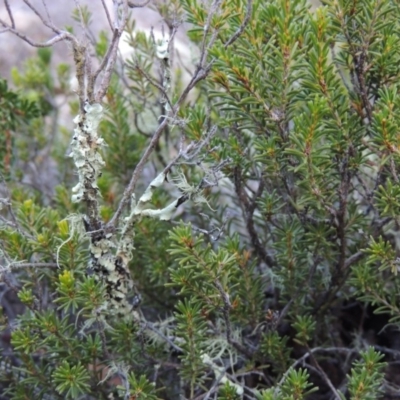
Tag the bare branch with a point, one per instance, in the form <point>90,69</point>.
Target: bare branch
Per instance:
<point>136,174</point>
<point>49,24</point>
<point>7,203</point>
<point>85,25</point>
<point>325,377</point>
<point>30,265</point>
<point>107,14</point>
<point>225,312</point>
<point>131,4</point>
<point>204,45</point>
<point>154,83</point>
<point>108,66</point>
<point>10,15</point>
<point>110,58</point>
<point>50,42</point>
<point>200,74</point>
<point>310,352</point>
<point>79,8</point>
<point>248,208</point>
<point>147,325</point>
<point>354,258</point>
<point>47,11</point>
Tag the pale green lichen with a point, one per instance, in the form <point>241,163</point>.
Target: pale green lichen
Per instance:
<point>109,268</point>
<point>194,193</point>
<point>85,152</point>
<point>220,374</point>
<point>148,194</point>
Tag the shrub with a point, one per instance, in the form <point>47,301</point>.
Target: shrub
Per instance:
<point>259,257</point>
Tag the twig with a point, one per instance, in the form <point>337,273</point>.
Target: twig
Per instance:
<point>7,202</point>
<point>147,325</point>
<point>325,377</point>
<point>9,13</point>
<point>111,52</point>
<point>111,55</point>
<point>213,388</point>
<point>155,84</point>
<point>47,11</point>
<point>306,355</point>
<point>353,259</point>
<point>248,210</point>
<point>135,176</point>
<point>50,42</point>
<point>49,24</point>
<point>107,14</point>
<point>225,312</point>
<point>29,265</point>
<point>131,4</point>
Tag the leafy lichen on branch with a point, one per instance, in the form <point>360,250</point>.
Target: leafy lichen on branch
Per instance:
<point>87,159</point>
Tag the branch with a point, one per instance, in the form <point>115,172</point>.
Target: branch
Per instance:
<point>147,325</point>
<point>9,13</point>
<point>131,4</point>
<point>136,174</point>
<point>248,210</point>
<point>108,62</point>
<point>353,259</point>
<point>306,355</point>
<point>50,42</point>
<point>154,83</point>
<point>88,161</point>
<point>49,24</point>
<point>325,377</point>
<point>29,265</point>
<point>47,11</point>
<point>200,73</point>
<point>107,14</point>
<point>225,312</point>
<point>7,202</point>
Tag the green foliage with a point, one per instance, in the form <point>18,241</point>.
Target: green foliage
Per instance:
<point>142,389</point>
<point>191,328</point>
<point>276,349</point>
<point>285,243</point>
<point>305,327</point>
<point>15,110</point>
<point>228,392</point>
<point>71,381</point>
<point>294,387</point>
<point>366,376</point>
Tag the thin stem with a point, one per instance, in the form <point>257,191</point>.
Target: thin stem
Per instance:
<point>151,327</point>
<point>33,265</point>
<point>49,24</point>
<point>131,4</point>
<point>325,377</point>
<point>10,15</point>
<point>50,42</point>
<point>136,174</point>
<point>47,11</point>
<point>107,14</point>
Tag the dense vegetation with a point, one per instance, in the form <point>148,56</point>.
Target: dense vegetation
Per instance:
<point>259,257</point>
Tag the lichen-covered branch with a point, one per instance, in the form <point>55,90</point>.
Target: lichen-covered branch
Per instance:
<point>110,253</point>
<point>88,161</point>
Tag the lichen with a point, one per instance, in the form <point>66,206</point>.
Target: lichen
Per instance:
<point>85,152</point>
